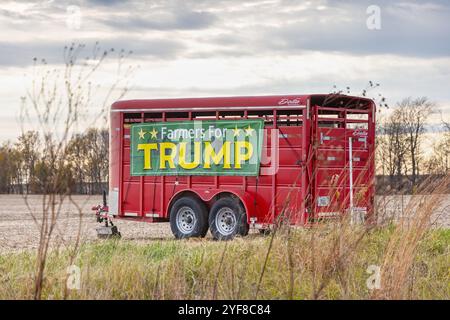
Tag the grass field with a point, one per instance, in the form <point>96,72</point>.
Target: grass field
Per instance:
<point>406,257</point>
<point>303,264</point>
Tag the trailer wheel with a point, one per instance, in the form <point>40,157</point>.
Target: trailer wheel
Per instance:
<point>227,219</point>
<point>188,218</point>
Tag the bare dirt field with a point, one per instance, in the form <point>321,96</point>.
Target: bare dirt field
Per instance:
<point>18,231</point>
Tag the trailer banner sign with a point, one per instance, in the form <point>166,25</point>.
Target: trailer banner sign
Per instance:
<point>210,147</point>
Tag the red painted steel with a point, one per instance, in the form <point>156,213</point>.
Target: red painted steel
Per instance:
<point>312,180</point>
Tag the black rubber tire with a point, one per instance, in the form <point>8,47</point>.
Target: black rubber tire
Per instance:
<point>242,226</point>
<point>201,214</point>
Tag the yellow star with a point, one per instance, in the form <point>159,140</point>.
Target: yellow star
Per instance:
<point>236,131</point>
<point>248,131</point>
<point>141,134</point>
<point>153,133</point>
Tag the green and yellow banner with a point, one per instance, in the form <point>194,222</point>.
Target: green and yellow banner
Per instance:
<point>217,147</point>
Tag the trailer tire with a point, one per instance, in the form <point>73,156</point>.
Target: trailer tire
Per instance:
<point>188,218</point>
<point>227,218</point>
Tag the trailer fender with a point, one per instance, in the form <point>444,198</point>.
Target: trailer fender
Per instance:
<point>247,200</point>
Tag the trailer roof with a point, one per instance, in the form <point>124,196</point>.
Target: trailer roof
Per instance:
<point>241,102</point>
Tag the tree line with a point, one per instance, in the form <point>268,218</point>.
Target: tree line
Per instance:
<point>403,161</point>
<point>28,165</point>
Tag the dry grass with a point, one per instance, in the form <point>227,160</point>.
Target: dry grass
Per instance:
<point>327,261</point>
<point>400,266</point>
<point>194,269</point>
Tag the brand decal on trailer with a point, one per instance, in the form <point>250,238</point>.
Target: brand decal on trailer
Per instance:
<point>289,102</point>
<point>360,132</point>
<point>218,147</point>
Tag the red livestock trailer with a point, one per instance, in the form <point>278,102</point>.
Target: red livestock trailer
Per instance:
<point>230,163</point>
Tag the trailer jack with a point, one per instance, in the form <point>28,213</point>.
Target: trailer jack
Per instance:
<point>108,230</point>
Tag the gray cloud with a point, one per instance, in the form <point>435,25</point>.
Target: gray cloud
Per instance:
<point>409,30</point>
<point>21,54</point>
<point>106,2</point>
<point>180,20</point>
<point>236,28</point>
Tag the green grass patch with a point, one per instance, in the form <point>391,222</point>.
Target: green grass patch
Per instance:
<point>330,265</point>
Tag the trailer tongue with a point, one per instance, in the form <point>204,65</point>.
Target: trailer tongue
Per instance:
<point>108,230</point>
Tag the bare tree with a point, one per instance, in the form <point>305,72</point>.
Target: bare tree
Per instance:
<point>393,147</point>
<point>28,147</point>
<point>439,161</point>
<point>414,114</point>
<point>11,169</point>
<point>446,124</point>
<point>400,136</point>
<point>88,152</point>
<point>75,151</point>
<point>60,100</point>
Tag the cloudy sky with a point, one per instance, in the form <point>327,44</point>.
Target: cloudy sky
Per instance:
<point>235,47</point>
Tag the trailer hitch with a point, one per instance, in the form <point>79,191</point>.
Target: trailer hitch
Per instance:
<point>108,230</point>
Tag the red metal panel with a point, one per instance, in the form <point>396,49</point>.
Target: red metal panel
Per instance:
<point>121,185</point>
<point>330,201</point>
<point>273,203</point>
<point>331,158</point>
<point>114,149</point>
<point>194,104</point>
<point>332,137</point>
<point>163,200</point>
